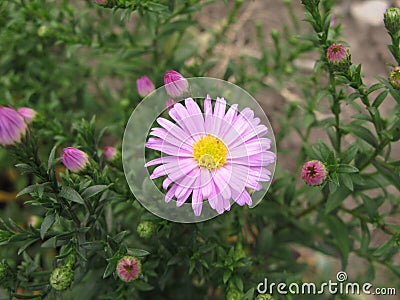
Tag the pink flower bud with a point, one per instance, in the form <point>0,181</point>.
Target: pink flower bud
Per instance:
<point>175,83</point>
<point>109,153</point>
<point>170,103</point>
<point>74,159</point>
<point>27,113</point>
<point>128,268</point>
<point>314,172</point>
<point>12,126</point>
<point>144,86</point>
<point>339,57</point>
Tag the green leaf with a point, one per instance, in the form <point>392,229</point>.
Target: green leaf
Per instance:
<point>226,276</point>
<point>48,221</point>
<point>379,99</point>
<point>93,191</point>
<point>365,237</point>
<point>26,245</point>
<point>346,180</point>
<point>363,133</point>
<point>344,168</point>
<point>375,87</point>
<point>390,173</point>
<point>349,154</point>
<point>340,234</point>
<point>335,199</point>
<point>138,252</point>
<point>51,158</point>
<point>143,286</point>
<point>70,194</point>
<point>33,188</point>
<point>386,248</point>
<point>112,264</point>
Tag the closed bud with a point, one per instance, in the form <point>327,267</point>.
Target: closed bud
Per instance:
<point>146,229</point>
<point>129,268</point>
<point>392,20</point>
<point>394,78</point>
<point>6,274</point>
<point>175,83</point>
<point>61,278</point>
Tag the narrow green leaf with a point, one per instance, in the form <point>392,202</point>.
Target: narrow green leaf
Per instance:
<point>70,194</point>
<point>48,221</point>
<point>335,199</point>
<point>138,252</point>
<point>93,191</point>
<point>363,133</point>
<point>340,234</point>
<point>344,168</point>
<point>379,99</point>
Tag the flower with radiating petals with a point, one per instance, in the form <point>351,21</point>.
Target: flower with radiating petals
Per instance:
<point>314,172</point>
<point>12,126</point>
<point>175,83</point>
<point>74,159</point>
<point>144,86</point>
<point>128,268</point>
<point>215,155</point>
<point>170,103</point>
<point>109,153</point>
<point>339,57</point>
<point>27,113</point>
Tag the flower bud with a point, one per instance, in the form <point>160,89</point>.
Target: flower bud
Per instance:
<point>61,278</point>
<point>339,57</point>
<point>28,114</point>
<point>128,268</point>
<point>146,229</point>
<point>74,159</point>
<point>6,274</point>
<point>314,172</point>
<point>35,221</point>
<point>170,103</point>
<point>144,86</point>
<point>110,153</point>
<point>175,83</point>
<point>392,20</point>
<point>394,78</point>
<point>12,126</point>
<point>234,294</point>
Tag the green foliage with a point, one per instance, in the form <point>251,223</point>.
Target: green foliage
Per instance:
<point>71,60</point>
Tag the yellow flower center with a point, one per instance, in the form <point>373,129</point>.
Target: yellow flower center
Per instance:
<point>210,152</point>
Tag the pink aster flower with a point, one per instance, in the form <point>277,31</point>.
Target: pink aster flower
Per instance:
<point>144,86</point>
<point>128,268</point>
<point>74,159</point>
<point>337,53</point>
<point>109,153</point>
<point>215,155</point>
<point>12,126</point>
<point>27,113</point>
<point>314,172</point>
<point>175,83</point>
<point>170,103</point>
